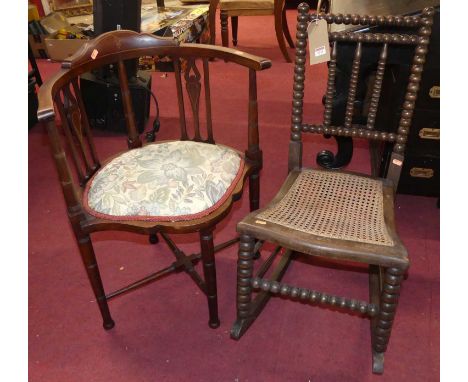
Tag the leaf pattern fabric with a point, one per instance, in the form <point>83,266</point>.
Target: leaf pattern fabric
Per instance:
<point>164,181</point>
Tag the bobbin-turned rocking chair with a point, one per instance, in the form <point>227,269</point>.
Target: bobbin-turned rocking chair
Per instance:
<point>335,214</point>
<point>138,190</point>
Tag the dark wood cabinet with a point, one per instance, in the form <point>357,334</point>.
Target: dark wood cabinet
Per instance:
<point>421,169</point>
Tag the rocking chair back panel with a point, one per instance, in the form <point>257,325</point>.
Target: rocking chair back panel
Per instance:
<point>415,33</point>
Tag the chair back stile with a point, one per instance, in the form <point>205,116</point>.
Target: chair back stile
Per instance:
<point>419,40</point>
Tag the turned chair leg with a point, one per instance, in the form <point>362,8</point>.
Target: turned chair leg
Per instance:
<point>92,269</point>
<point>254,191</point>
<point>209,272</point>
<point>382,327</point>
<point>279,33</point>
<point>254,198</point>
<point>234,23</point>
<point>153,238</point>
<point>224,29</point>
<point>244,278</point>
<point>286,32</point>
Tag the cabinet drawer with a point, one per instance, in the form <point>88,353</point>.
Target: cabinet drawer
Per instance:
<point>420,176</point>
<point>424,135</point>
<point>429,89</point>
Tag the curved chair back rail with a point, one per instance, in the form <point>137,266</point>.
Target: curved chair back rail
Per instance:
<point>115,46</point>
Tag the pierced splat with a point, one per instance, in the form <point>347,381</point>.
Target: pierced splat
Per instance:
<point>193,86</point>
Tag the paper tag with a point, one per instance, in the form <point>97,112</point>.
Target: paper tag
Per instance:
<point>319,45</point>
<point>397,162</point>
<point>94,54</point>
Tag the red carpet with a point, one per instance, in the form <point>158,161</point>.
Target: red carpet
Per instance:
<point>161,331</point>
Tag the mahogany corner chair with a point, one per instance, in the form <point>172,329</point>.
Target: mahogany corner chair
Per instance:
<point>333,214</point>
<point>100,194</point>
<point>236,8</point>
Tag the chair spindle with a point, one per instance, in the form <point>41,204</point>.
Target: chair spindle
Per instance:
<point>353,86</point>
<point>85,124</point>
<point>76,127</point>
<point>374,103</point>
<point>206,79</point>
<point>330,87</point>
<point>133,139</point>
<point>180,98</point>
<point>69,138</point>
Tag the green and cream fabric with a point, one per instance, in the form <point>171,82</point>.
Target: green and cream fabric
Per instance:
<point>168,181</point>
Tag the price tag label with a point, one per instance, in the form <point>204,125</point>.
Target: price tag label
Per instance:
<point>319,45</point>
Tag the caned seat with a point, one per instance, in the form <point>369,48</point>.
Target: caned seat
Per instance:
<point>329,211</point>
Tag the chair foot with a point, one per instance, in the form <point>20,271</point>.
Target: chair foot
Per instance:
<point>235,330</point>
<point>239,327</point>
<point>108,325</point>
<point>92,269</point>
<point>153,238</point>
<point>214,324</point>
<point>377,362</point>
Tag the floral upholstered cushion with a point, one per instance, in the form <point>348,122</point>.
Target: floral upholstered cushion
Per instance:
<point>168,181</point>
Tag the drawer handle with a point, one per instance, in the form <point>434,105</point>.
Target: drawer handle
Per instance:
<point>419,172</point>
<point>434,92</point>
<point>428,133</point>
